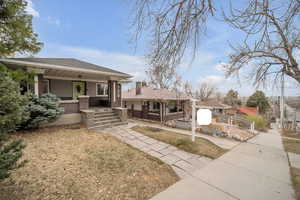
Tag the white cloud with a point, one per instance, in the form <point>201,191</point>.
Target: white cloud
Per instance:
<point>132,64</point>
<point>31,10</point>
<point>225,84</point>
<point>212,79</point>
<point>202,59</point>
<point>54,21</point>
<point>221,67</point>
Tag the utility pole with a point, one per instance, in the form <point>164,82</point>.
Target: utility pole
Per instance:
<point>282,102</point>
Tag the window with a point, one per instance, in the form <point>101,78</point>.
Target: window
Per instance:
<point>101,89</point>
<point>46,86</point>
<point>156,105</point>
<point>119,91</point>
<point>172,106</point>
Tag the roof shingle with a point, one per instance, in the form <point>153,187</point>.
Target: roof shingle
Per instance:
<point>69,62</point>
<point>149,93</point>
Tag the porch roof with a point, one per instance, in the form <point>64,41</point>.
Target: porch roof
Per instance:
<point>65,64</point>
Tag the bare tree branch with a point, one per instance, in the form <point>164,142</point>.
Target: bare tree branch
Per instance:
<point>271,41</point>
<point>162,76</point>
<point>206,91</point>
<point>174,26</point>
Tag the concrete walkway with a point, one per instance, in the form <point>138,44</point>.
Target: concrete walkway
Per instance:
<point>257,170</point>
<point>222,142</point>
<point>183,163</point>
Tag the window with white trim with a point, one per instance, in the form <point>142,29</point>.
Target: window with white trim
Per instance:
<point>101,89</point>
<point>156,105</point>
<point>46,88</point>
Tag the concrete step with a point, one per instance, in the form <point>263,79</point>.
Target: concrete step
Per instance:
<point>102,109</point>
<point>105,118</point>
<point>111,121</point>
<point>101,127</point>
<point>104,114</point>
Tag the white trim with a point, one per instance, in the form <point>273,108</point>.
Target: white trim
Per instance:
<point>114,85</point>
<point>69,101</point>
<point>36,85</point>
<point>102,95</point>
<point>73,79</point>
<point>59,67</point>
<point>36,70</point>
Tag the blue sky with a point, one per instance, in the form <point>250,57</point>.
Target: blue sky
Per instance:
<point>99,32</point>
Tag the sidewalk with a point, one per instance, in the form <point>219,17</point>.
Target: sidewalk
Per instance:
<point>257,170</point>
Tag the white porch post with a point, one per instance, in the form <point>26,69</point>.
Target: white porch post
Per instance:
<point>193,119</point>
<point>36,85</point>
<point>115,92</point>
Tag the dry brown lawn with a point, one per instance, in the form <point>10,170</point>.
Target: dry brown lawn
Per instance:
<point>289,133</point>
<point>291,145</point>
<point>201,146</point>
<point>295,172</point>
<point>81,164</point>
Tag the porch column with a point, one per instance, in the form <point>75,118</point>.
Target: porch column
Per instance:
<point>161,112</point>
<point>36,85</point>
<point>115,101</point>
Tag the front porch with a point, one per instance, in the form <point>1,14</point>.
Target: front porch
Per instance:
<point>82,87</point>
<point>97,102</point>
<point>160,110</point>
<point>77,94</point>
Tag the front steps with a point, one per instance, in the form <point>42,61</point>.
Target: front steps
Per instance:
<point>105,119</point>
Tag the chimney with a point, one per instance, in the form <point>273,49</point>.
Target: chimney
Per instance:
<point>138,88</point>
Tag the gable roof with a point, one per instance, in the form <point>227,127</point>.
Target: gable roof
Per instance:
<point>149,93</point>
<point>64,62</point>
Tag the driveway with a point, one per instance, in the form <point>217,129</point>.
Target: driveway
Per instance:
<point>257,169</point>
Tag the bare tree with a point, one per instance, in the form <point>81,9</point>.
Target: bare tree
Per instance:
<point>187,88</point>
<point>162,76</point>
<point>232,98</point>
<point>173,25</point>
<point>272,39</point>
<point>206,91</point>
<point>218,96</point>
<point>271,27</point>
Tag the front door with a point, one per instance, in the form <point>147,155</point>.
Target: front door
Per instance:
<point>78,89</point>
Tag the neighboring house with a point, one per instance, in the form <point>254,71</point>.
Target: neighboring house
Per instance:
<point>215,106</point>
<point>80,85</point>
<point>242,111</point>
<point>292,111</point>
<point>154,104</point>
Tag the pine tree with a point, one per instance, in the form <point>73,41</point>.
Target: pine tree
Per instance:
<point>16,30</point>
<point>12,113</point>
<point>16,36</point>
